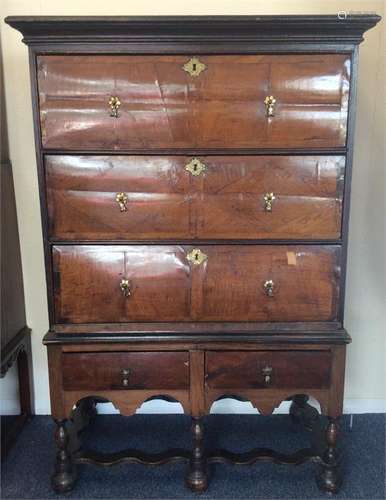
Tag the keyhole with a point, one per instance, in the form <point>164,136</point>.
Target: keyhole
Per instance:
<point>196,256</point>
<point>194,66</point>
<point>195,167</point>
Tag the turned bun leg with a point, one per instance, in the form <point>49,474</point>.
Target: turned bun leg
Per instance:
<point>196,477</point>
<point>329,478</point>
<point>64,477</point>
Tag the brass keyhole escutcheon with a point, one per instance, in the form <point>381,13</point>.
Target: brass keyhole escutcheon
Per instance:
<point>270,102</point>
<point>196,257</point>
<point>114,106</point>
<point>121,199</point>
<point>125,287</point>
<point>269,198</point>
<point>195,166</point>
<point>194,66</point>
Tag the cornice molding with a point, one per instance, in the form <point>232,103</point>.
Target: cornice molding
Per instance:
<point>97,29</point>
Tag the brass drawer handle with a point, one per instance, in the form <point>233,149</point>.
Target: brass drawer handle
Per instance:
<point>125,376</point>
<point>125,287</point>
<point>195,166</point>
<point>270,102</point>
<point>269,198</point>
<point>114,106</point>
<point>194,66</point>
<point>121,199</point>
<point>196,257</point>
<point>267,372</point>
<point>269,287</point>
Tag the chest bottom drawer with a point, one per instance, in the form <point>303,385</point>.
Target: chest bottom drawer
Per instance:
<point>172,283</point>
<point>268,369</point>
<point>124,370</point>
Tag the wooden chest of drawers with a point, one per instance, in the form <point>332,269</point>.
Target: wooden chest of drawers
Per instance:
<point>194,181</point>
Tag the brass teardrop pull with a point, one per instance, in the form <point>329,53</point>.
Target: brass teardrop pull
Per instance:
<point>269,287</point>
<point>114,106</point>
<point>269,198</point>
<point>267,372</point>
<point>121,199</point>
<point>125,376</point>
<point>125,287</point>
<point>270,102</point>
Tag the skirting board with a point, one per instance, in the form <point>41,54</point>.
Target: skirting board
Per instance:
<point>351,406</point>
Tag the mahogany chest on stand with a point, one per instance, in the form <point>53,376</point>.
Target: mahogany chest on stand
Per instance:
<point>195,182</point>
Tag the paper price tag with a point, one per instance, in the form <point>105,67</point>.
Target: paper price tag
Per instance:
<point>291,258</point>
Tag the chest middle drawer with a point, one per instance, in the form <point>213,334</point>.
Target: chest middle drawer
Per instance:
<point>95,198</point>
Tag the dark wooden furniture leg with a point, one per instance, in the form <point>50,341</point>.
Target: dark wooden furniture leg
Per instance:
<point>303,413</point>
<point>329,479</point>
<point>26,378</point>
<point>297,407</point>
<point>81,417</point>
<point>18,350</point>
<point>197,478</point>
<point>64,477</point>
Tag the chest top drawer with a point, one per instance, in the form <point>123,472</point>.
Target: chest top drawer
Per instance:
<point>164,101</point>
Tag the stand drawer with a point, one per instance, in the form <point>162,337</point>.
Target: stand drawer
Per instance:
<point>125,370</point>
<point>268,369</point>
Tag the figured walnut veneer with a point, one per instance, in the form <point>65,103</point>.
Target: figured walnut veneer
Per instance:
<point>162,107</point>
<point>165,286</point>
<point>165,201</point>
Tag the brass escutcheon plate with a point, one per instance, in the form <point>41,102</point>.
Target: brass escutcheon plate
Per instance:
<point>194,66</point>
<point>196,257</point>
<point>195,166</point>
